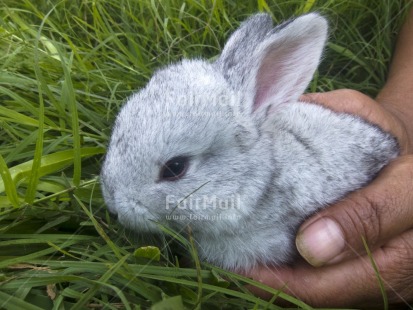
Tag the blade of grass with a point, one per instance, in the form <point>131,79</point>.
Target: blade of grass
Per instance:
<point>68,96</point>
<point>34,175</point>
<point>49,163</point>
<point>194,254</point>
<point>41,84</point>
<point>17,117</point>
<point>174,302</point>
<point>25,258</point>
<point>10,302</point>
<point>103,279</point>
<point>308,5</point>
<point>100,230</point>
<point>378,276</point>
<point>8,184</point>
<point>27,106</point>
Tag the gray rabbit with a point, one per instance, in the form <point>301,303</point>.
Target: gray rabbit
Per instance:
<point>227,149</point>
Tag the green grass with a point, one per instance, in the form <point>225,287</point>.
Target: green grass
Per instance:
<point>66,67</point>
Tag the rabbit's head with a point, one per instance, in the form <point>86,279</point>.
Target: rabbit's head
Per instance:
<point>189,147</point>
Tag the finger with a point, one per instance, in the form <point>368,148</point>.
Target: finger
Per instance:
<point>354,102</point>
<point>350,283</point>
<point>376,213</point>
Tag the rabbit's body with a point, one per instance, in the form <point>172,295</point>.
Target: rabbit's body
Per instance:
<point>310,176</point>
<point>227,149</point>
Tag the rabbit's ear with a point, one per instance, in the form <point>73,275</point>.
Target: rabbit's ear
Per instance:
<point>281,65</point>
<point>287,59</point>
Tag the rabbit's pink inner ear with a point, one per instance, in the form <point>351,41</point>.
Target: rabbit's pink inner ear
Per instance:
<point>267,87</point>
<point>269,75</point>
<point>266,81</point>
<point>285,71</point>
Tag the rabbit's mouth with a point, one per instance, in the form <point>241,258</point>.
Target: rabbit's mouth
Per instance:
<point>138,219</point>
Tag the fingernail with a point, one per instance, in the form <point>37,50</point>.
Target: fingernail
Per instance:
<point>320,242</point>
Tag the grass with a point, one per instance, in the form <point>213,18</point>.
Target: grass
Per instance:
<point>66,67</point>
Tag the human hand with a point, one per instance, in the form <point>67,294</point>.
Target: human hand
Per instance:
<point>381,213</point>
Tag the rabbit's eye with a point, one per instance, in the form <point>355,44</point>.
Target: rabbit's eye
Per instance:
<point>174,169</point>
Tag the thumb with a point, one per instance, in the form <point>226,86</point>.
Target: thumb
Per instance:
<point>378,212</point>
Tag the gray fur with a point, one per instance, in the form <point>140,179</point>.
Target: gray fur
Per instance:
<point>274,160</point>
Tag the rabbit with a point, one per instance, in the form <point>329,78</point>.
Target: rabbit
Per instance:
<point>226,148</point>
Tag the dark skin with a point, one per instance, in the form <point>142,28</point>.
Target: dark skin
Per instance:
<point>335,271</point>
